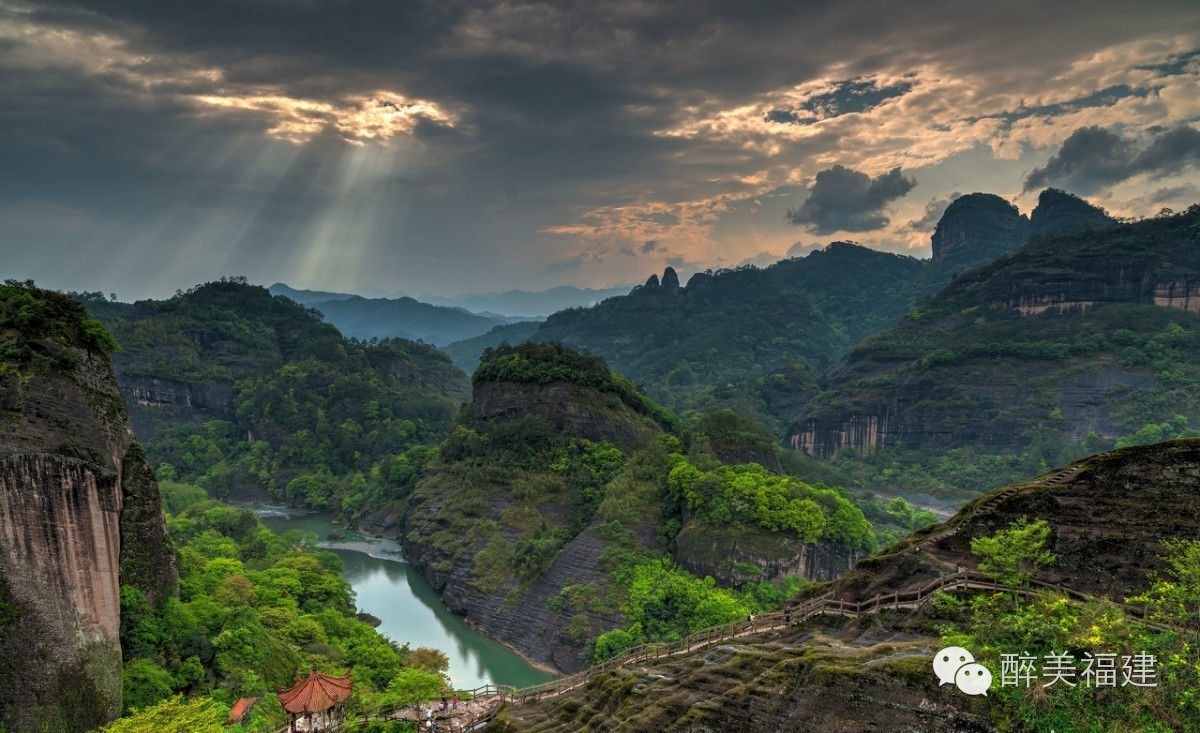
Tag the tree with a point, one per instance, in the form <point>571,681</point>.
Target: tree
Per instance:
<point>1174,597</point>
<point>198,715</point>
<point>433,661</point>
<point>1011,556</point>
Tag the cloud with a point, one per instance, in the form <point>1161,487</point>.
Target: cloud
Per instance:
<point>800,249</point>
<point>845,200</point>
<point>485,136</point>
<point>651,246</point>
<point>845,97</point>
<point>933,214</point>
<point>1093,158</point>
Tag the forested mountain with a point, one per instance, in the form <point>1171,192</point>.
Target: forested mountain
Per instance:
<point>1072,343</point>
<point>565,512</point>
<point>729,338</point>
<point>238,390</point>
<point>756,340</point>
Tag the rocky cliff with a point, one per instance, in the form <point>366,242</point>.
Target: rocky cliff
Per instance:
<point>977,227</point>
<point>516,547</point>
<point>79,515</point>
<point>734,557</point>
<point>1059,212</point>
<point>982,226</point>
<point>1109,516</point>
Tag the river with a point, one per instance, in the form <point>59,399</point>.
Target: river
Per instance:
<point>387,587</point>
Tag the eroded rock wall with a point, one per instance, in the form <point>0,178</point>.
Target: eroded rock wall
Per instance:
<point>73,483</point>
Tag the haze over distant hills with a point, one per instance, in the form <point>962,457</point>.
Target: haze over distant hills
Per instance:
<point>438,320</point>
<point>529,304</point>
<point>403,317</point>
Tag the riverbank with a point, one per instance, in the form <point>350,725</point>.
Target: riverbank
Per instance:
<point>410,610</point>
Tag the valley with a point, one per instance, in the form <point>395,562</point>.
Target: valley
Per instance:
<point>547,515</point>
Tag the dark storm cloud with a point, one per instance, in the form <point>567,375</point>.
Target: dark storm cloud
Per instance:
<point>558,109</point>
<point>845,200</point>
<point>1093,158</point>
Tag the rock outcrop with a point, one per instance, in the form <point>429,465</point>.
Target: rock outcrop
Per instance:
<point>79,515</point>
<point>567,407</point>
<point>750,555</point>
<point>670,279</point>
<point>978,227</point>
<point>1059,212</point>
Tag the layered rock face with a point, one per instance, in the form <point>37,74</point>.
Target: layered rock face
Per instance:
<point>1109,513</point>
<point>526,619</point>
<point>155,400</point>
<point>749,555</point>
<point>79,514</point>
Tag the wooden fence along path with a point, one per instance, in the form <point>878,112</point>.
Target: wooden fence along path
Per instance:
<point>486,701</point>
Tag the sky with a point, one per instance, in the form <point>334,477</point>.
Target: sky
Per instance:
<point>452,146</point>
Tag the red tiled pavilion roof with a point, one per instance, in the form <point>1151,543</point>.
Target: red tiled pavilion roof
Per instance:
<point>240,708</point>
<point>316,693</point>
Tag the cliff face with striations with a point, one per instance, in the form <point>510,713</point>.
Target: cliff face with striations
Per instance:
<point>750,555</point>
<point>515,547</point>
<point>79,514</point>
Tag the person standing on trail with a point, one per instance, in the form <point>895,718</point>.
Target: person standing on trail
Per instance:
<point>454,702</point>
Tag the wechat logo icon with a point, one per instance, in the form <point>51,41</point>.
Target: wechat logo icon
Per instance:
<point>957,665</point>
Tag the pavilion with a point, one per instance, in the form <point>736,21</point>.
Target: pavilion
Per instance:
<point>317,699</point>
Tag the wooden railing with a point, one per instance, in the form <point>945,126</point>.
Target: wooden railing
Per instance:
<point>789,615</point>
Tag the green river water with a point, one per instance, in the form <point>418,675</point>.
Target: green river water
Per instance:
<point>389,588</point>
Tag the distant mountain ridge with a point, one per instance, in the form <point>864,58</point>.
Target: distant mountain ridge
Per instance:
<point>403,317</point>
<point>1054,350</point>
<point>526,304</point>
<point>755,339</point>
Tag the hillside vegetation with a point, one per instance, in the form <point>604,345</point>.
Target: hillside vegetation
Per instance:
<point>1071,344</point>
<point>241,392</point>
<point>1092,545</point>
<point>558,510</point>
